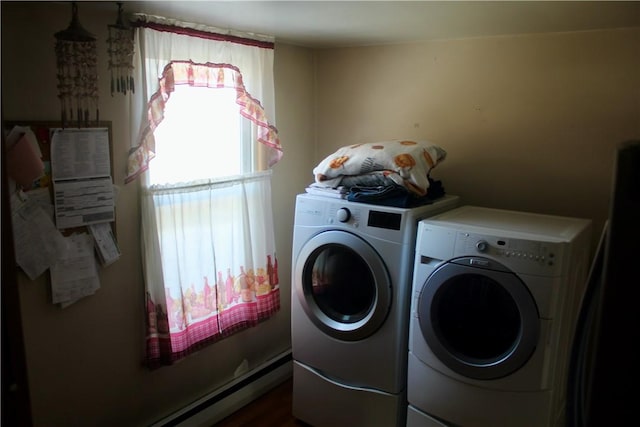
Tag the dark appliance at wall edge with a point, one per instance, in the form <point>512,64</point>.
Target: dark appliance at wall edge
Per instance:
<point>604,371</point>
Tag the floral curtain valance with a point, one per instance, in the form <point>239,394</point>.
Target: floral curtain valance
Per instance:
<point>184,53</point>
<point>201,75</point>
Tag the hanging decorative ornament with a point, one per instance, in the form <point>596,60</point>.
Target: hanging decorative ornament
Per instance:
<point>76,60</point>
<point>121,55</point>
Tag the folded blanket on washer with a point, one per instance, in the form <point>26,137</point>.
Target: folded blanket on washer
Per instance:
<point>339,192</point>
<point>395,195</point>
<point>401,162</point>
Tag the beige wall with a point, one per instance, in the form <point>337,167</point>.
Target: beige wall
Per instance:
<point>85,362</point>
<point>529,122</point>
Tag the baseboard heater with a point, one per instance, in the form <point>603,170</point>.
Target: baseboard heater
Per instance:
<point>224,401</point>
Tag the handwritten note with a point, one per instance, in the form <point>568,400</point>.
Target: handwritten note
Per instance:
<point>37,241</point>
<point>75,274</point>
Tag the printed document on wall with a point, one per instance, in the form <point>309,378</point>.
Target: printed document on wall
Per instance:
<point>81,174</point>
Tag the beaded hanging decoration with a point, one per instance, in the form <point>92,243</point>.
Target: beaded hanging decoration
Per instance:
<point>77,72</point>
<point>121,55</point>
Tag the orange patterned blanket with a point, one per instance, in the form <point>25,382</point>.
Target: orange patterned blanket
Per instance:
<point>404,162</point>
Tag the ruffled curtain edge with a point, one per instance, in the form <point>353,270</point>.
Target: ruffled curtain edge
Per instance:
<point>210,75</point>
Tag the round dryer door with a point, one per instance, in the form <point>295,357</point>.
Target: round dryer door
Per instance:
<point>478,318</point>
<point>342,285</point>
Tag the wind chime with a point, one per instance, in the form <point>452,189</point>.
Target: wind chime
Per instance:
<point>76,61</point>
<point>121,55</point>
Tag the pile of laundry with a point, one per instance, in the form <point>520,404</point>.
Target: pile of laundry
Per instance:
<point>392,173</point>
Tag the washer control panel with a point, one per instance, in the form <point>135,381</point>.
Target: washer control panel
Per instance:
<point>313,212</point>
<point>340,215</point>
<point>525,256</point>
<point>343,214</point>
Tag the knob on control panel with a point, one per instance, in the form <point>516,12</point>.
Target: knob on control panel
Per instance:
<point>482,246</point>
<point>343,214</point>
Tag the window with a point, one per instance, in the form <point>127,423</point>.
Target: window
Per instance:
<point>206,143</point>
<point>207,124</point>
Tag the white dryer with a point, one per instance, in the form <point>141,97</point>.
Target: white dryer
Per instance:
<point>494,303</point>
<point>351,292</point>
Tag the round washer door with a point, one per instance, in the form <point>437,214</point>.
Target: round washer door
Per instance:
<point>478,318</point>
<point>342,285</point>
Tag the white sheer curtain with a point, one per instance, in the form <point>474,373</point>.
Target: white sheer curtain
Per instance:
<point>208,245</point>
<point>159,41</point>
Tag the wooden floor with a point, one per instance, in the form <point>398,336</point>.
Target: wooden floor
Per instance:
<point>271,410</point>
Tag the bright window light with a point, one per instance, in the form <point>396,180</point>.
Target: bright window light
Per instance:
<point>199,138</point>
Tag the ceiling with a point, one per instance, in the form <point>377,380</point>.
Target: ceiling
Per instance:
<point>330,24</point>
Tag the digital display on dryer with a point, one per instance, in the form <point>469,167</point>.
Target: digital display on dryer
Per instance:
<point>390,221</point>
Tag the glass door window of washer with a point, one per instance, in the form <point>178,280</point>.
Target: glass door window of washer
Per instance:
<point>342,285</point>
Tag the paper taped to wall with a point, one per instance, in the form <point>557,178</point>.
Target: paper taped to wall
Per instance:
<point>81,173</point>
<point>105,243</point>
<point>75,274</point>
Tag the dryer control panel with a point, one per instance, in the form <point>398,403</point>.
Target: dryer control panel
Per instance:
<point>384,223</point>
<point>523,256</point>
<point>389,223</point>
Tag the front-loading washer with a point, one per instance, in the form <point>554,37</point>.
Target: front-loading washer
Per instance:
<point>494,302</point>
<point>351,287</point>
